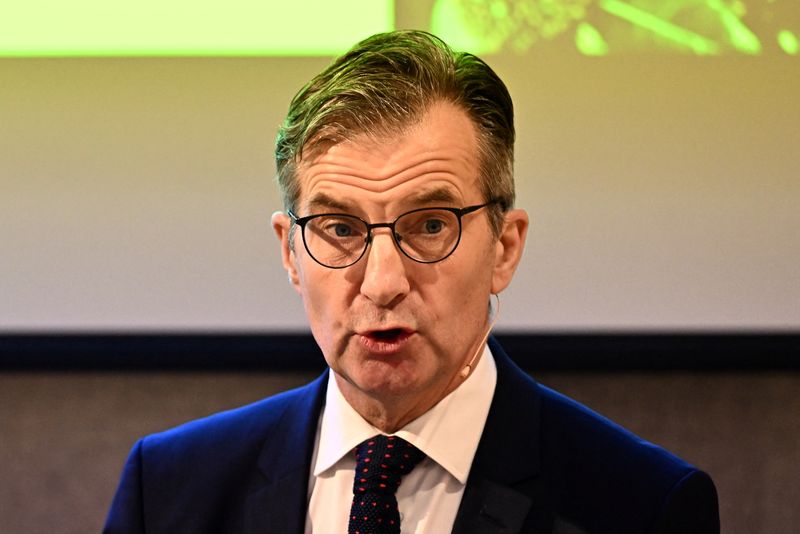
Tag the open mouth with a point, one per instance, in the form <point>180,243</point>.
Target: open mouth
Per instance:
<point>388,341</point>
<point>392,334</point>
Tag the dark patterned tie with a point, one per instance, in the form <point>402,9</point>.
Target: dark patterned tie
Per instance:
<point>381,462</point>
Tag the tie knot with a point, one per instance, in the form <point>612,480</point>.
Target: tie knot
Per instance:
<point>381,462</point>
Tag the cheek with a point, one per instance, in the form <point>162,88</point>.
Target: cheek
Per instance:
<point>317,298</point>
<point>325,299</point>
<point>475,274</point>
<point>460,298</point>
<point>318,314</point>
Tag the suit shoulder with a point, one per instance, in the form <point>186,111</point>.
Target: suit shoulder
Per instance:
<point>596,438</point>
<point>200,476</point>
<point>236,429</point>
<point>592,473</point>
<point>609,476</point>
<point>572,434</point>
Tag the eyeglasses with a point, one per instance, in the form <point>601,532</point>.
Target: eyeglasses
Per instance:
<point>426,235</point>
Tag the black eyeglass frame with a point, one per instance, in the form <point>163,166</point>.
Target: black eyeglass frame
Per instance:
<point>458,212</point>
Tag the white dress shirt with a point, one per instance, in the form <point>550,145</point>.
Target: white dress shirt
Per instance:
<point>430,495</point>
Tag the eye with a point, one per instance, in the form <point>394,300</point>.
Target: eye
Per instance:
<point>342,230</point>
<point>426,223</point>
<point>340,226</point>
<point>433,226</point>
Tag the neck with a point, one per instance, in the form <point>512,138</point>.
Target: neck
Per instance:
<point>388,413</point>
<point>391,412</point>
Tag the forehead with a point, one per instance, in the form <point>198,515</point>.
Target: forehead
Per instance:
<point>434,159</point>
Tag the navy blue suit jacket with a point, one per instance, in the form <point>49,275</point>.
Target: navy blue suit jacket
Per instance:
<point>545,465</point>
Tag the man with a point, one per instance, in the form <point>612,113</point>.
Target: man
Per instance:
<point>396,168</point>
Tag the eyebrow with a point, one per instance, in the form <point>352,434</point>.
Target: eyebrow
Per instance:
<point>440,194</point>
<point>437,195</point>
<point>322,200</point>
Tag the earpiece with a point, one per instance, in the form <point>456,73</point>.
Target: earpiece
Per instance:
<point>468,368</point>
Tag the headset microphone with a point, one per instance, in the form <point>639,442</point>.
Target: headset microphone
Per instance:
<point>468,368</point>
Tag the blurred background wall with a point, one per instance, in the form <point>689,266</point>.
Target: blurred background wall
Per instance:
<point>65,436</point>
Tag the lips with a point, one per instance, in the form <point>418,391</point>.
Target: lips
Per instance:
<point>385,341</point>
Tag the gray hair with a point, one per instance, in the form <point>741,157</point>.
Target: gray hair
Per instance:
<point>387,82</point>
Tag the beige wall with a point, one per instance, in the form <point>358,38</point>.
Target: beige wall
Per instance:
<point>136,193</point>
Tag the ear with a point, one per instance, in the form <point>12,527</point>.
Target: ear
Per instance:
<point>282,226</point>
<point>508,249</point>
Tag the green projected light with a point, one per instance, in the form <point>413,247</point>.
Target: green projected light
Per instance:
<point>788,42</point>
<point>329,27</point>
<point>659,26</point>
<point>602,27</point>
<point>188,27</point>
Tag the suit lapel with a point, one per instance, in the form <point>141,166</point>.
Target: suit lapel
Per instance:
<point>491,508</point>
<point>279,505</point>
<point>504,490</point>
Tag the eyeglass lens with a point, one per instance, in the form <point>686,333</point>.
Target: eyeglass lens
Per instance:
<point>425,235</point>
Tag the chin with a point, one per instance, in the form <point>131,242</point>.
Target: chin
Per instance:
<point>379,379</point>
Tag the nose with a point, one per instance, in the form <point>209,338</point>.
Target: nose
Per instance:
<point>385,278</point>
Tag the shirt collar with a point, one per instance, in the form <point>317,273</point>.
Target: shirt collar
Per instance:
<point>462,413</point>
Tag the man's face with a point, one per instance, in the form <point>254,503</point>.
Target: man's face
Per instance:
<point>391,328</point>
